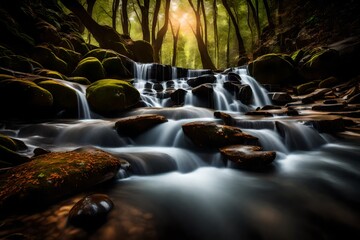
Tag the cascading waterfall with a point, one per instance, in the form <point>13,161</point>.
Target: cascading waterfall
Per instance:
<point>187,192</point>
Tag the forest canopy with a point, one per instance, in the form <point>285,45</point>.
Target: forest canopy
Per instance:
<point>189,33</point>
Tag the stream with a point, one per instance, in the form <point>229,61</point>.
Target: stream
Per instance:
<point>178,191</point>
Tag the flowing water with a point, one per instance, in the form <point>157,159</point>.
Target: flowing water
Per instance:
<point>177,191</point>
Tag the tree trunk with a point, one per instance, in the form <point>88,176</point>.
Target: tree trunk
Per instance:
<point>255,15</point>
<point>216,35</point>
<point>228,45</point>
<point>175,41</point>
<point>204,54</point>
<point>205,22</point>
<point>161,33</point>
<point>154,22</point>
<point>125,17</point>
<point>89,9</point>
<point>115,7</point>
<point>241,47</point>
<point>268,15</point>
<point>145,19</point>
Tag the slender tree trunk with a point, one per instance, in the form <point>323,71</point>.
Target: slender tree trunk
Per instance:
<point>89,9</point>
<point>204,54</point>
<point>216,35</point>
<point>154,22</point>
<point>115,7</point>
<point>255,17</point>
<point>241,47</point>
<point>175,42</point>
<point>205,22</point>
<point>145,19</point>
<point>268,15</point>
<point>124,17</point>
<point>250,28</point>
<point>161,33</point>
<point>228,44</point>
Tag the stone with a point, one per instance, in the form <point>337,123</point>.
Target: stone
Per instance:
<point>211,135</point>
<point>205,90</point>
<point>178,96</point>
<point>115,68</point>
<point>354,99</point>
<point>91,68</point>
<point>280,98</point>
<point>197,81</point>
<point>225,117</point>
<point>109,96</point>
<point>328,107</point>
<point>52,176</point>
<point>244,94</point>
<point>248,156</point>
<point>329,82</point>
<point>135,125</point>
<point>91,211</point>
<point>234,77</point>
<point>330,124</point>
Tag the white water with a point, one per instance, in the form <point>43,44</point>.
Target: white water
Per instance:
<point>179,191</point>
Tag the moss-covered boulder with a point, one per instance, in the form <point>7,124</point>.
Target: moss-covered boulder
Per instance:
<point>101,53</point>
<point>50,74</point>
<point>212,135</point>
<point>80,80</point>
<point>20,97</point>
<point>8,152</point>
<point>71,57</point>
<point>52,176</point>
<point>273,69</point>
<point>19,63</point>
<point>91,68</point>
<point>48,59</point>
<point>109,96</point>
<point>329,82</point>
<point>142,51</point>
<point>64,97</point>
<point>115,68</point>
<point>322,63</point>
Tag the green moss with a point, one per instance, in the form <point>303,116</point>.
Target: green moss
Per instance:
<point>329,82</point>
<point>72,58</point>
<point>50,74</point>
<point>306,88</point>
<point>49,60</point>
<point>20,95</point>
<point>297,55</point>
<point>80,80</point>
<point>7,142</point>
<point>110,96</point>
<point>101,53</point>
<point>5,76</point>
<point>91,68</point>
<point>63,96</point>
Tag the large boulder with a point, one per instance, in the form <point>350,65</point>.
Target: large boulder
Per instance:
<point>212,135</point>
<point>52,176</point>
<point>115,67</point>
<point>64,97</point>
<point>197,81</point>
<point>91,68</point>
<point>248,156</point>
<point>110,96</point>
<point>20,97</point>
<point>273,69</point>
<point>47,58</point>
<point>142,51</point>
<point>135,125</point>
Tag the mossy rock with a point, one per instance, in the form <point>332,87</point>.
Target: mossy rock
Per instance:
<point>63,96</point>
<point>273,69</point>
<point>306,88</point>
<point>91,68</point>
<point>52,176</point>
<point>7,142</point>
<point>109,96</point>
<point>80,80</point>
<point>49,60</point>
<point>101,53</point>
<point>115,68</point>
<point>50,74</point>
<point>22,96</point>
<point>19,63</point>
<point>329,82</point>
<point>142,51</point>
<point>298,55</point>
<point>72,58</point>
<point>322,64</point>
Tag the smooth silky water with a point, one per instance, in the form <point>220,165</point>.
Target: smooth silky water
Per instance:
<point>178,191</point>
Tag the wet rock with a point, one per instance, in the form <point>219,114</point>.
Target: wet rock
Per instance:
<point>212,135</point>
<point>91,68</point>
<point>306,88</point>
<point>328,107</point>
<point>197,81</point>
<point>273,69</point>
<point>231,86</point>
<point>259,113</point>
<point>226,118</point>
<point>52,176</point>
<point>135,125</point>
<point>354,99</point>
<point>158,87</point>
<point>142,51</point>
<point>244,94</point>
<point>329,82</point>
<point>115,67</point>
<point>315,95</point>
<point>204,90</point>
<point>270,107</point>
<point>291,112</point>
<point>330,101</point>
<point>330,125</point>
<point>234,77</point>
<point>178,96</point>
<point>9,157</point>
<point>110,96</point>
<point>280,98</point>
<point>91,211</point>
<point>248,156</point>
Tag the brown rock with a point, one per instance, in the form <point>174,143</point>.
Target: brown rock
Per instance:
<point>212,135</point>
<point>248,156</point>
<point>135,125</point>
